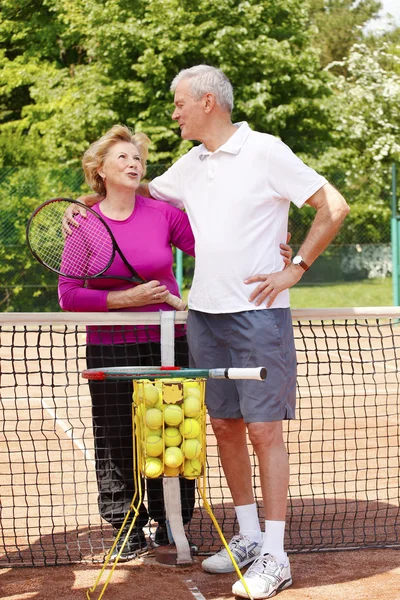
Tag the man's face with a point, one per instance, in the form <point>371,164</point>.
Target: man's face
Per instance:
<point>189,113</point>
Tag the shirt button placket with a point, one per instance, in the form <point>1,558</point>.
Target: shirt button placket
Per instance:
<point>211,169</point>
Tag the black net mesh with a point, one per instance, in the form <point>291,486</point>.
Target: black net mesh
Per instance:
<point>343,446</point>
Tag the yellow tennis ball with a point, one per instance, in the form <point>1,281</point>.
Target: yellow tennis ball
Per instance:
<point>154,445</point>
<point>137,400</point>
<point>151,395</point>
<point>190,428</point>
<point>192,468</point>
<point>159,402</point>
<point>171,471</point>
<point>191,388</point>
<point>191,448</point>
<point>154,418</point>
<point>148,432</point>
<point>173,457</point>
<point>193,392</point>
<point>172,437</point>
<point>153,467</point>
<point>140,392</point>
<point>173,414</point>
<point>192,406</point>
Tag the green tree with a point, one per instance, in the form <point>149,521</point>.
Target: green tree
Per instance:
<point>366,111</point>
<point>339,25</point>
<point>365,108</point>
<point>25,285</point>
<point>81,66</point>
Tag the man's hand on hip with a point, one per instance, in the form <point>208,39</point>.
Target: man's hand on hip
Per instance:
<point>274,283</point>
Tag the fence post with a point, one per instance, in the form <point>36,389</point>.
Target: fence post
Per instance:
<point>179,269</point>
<point>395,239</point>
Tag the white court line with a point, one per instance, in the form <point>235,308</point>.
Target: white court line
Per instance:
<point>63,425</point>
<point>194,590</point>
<point>69,431</point>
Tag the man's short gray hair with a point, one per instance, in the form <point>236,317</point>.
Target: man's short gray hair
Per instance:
<point>203,79</point>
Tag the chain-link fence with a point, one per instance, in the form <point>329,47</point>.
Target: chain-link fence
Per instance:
<point>362,250</point>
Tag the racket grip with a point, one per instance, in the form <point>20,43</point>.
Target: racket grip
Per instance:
<point>259,373</point>
<point>176,302</point>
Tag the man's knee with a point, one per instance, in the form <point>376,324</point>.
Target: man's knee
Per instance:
<point>266,435</point>
<point>228,430</point>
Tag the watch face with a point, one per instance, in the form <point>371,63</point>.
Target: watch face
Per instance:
<point>298,260</point>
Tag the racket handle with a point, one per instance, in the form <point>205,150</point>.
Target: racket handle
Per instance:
<point>259,373</point>
<point>176,302</point>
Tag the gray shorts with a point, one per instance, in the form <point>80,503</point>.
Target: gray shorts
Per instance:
<point>255,338</point>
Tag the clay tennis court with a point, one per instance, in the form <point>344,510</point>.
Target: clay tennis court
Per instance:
<point>344,455</point>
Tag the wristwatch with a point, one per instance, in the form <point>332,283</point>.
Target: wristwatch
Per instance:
<point>298,260</point>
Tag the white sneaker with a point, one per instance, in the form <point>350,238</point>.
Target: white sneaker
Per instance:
<point>265,578</point>
<point>243,549</point>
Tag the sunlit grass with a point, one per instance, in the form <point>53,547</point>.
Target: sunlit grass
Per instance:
<point>368,292</point>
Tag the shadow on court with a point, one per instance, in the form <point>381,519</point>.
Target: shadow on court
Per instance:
<point>313,524</point>
<point>363,575</point>
<point>321,524</point>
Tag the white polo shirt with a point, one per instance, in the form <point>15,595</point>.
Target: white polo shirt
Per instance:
<point>237,200</point>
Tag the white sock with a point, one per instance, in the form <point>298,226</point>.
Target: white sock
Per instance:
<point>249,525</point>
<point>274,538</point>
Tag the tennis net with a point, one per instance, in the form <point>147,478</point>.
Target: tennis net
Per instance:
<point>343,446</point>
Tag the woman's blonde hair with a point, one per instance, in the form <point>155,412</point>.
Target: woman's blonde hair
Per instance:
<point>95,155</point>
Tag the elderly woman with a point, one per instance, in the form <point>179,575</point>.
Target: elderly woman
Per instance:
<point>145,230</point>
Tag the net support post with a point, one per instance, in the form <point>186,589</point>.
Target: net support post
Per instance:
<point>395,235</point>
<point>179,269</point>
<point>171,485</point>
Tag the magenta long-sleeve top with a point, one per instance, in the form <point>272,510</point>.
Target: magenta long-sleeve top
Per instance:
<point>145,238</point>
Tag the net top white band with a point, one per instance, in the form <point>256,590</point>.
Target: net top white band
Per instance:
<point>97,318</point>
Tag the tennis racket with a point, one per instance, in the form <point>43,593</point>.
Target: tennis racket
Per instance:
<point>113,373</point>
<point>86,253</point>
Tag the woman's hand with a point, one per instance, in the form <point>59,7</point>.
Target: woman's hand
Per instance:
<point>286,251</point>
<point>145,294</point>
<point>68,218</point>
<point>75,209</point>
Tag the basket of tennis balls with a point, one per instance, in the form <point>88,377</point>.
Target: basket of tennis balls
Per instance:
<point>170,427</point>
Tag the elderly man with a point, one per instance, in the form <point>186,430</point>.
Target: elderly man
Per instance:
<point>236,188</point>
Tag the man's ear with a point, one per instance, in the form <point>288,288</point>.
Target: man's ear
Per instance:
<point>209,102</point>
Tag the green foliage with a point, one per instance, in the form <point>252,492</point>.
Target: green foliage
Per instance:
<point>368,223</point>
<point>71,70</point>
<point>25,285</point>
<point>339,25</point>
<point>91,64</point>
<point>366,111</point>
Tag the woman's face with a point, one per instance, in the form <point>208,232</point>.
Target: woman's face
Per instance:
<point>122,167</point>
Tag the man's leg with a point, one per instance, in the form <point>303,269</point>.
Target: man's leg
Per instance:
<point>270,573</point>
<point>268,444</point>
<point>235,460</point>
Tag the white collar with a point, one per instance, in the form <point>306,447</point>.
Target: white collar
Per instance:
<point>233,144</point>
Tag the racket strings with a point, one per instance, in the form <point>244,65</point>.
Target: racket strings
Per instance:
<point>86,252</point>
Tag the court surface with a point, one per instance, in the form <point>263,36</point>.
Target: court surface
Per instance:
<point>353,575</point>
<point>344,489</point>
